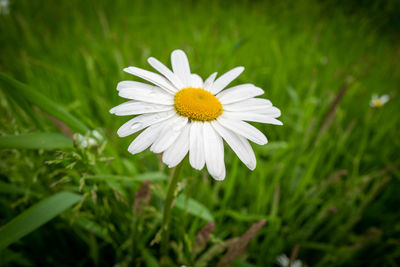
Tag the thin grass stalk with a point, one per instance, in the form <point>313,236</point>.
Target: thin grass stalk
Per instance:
<point>173,182</point>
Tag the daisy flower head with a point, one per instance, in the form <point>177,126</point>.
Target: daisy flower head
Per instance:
<point>378,101</point>
<point>284,261</point>
<point>180,113</point>
<point>4,6</point>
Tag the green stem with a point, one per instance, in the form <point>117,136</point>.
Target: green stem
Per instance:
<point>173,182</point>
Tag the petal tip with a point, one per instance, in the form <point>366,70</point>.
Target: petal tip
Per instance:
<point>178,51</point>
<point>218,178</point>
<point>260,90</point>
<point>152,61</point>
<point>132,150</point>
<point>251,167</point>
<point>199,168</point>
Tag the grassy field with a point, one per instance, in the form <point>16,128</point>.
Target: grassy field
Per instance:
<point>327,183</point>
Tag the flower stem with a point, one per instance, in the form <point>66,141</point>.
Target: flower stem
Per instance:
<point>173,182</point>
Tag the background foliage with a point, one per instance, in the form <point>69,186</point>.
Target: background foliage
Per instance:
<point>327,183</point>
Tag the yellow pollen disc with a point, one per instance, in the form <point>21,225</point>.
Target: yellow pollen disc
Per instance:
<point>378,103</point>
<point>197,104</point>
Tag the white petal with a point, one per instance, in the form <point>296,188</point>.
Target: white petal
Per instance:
<point>196,81</point>
<point>239,145</point>
<point>152,77</point>
<point>178,150</point>
<point>255,104</point>
<point>297,263</point>
<point>214,152</point>
<point>210,81</point>
<point>171,130</point>
<point>239,93</point>
<point>131,84</point>
<point>283,260</point>
<point>222,174</point>
<point>244,129</point>
<point>273,112</point>
<point>196,151</point>
<point>164,70</point>
<point>180,66</point>
<point>256,117</point>
<point>140,122</point>
<point>135,107</point>
<point>225,79</point>
<point>145,139</point>
<point>148,93</point>
<point>384,99</point>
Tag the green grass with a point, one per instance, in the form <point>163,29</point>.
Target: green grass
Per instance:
<point>327,182</point>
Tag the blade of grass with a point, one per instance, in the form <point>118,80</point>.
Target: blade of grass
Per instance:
<point>36,141</point>
<point>35,217</point>
<point>193,207</point>
<point>43,102</point>
<point>94,228</point>
<point>153,176</point>
<point>8,188</point>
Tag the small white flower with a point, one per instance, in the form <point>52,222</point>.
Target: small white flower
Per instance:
<point>379,101</point>
<point>97,135</point>
<point>180,113</point>
<point>283,261</point>
<point>92,139</point>
<point>4,6</point>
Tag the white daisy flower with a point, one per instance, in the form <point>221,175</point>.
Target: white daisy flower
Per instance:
<point>4,6</point>
<point>181,114</point>
<point>378,101</point>
<point>284,261</point>
<point>91,139</point>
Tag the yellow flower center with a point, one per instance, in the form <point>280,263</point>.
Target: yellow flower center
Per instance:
<point>197,104</point>
<point>378,103</point>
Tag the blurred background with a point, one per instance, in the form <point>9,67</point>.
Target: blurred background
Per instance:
<point>327,183</point>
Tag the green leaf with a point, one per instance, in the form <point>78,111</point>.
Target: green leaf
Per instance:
<point>241,263</point>
<point>154,176</point>
<point>272,147</point>
<point>150,260</point>
<point>46,104</point>
<point>193,207</point>
<point>11,258</point>
<point>36,216</point>
<point>36,141</point>
<point>239,216</point>
<point>8,188</point>
<point>117,188</point>
<point>94,228</point>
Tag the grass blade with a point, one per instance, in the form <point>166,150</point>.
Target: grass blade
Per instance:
<point>36,216</point>
<point>193,207</point>
<point>8,188</point>
<point>153,176</point>
<point>94,228</point>
<point>43,102</point>
<point>36,141</point>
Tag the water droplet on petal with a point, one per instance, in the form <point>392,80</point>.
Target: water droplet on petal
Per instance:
<point>136,125</point>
